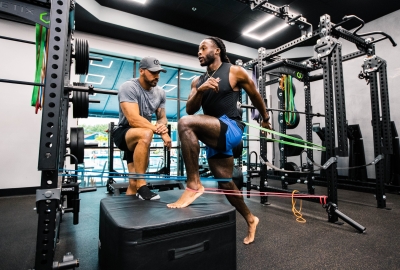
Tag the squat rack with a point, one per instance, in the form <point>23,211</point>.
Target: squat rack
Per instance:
<point>58,18</point>
<point>328,56</point>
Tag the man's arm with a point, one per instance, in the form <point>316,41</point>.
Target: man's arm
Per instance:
<point>161,116</point>
<point>135,120</point>
<point>244,81</point>
<point>196,94</point>
<point>162,121</point>
<point>162,127</point>
<point>194,100</point>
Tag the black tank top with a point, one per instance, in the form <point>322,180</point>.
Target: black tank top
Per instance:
<point>223,102</point>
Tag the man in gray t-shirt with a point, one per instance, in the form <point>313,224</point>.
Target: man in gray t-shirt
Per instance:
<point>139,98</point>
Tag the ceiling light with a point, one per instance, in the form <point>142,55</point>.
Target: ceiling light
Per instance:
<point>171,87</point>
<point>183,78</point>
<point>259,24</point>
<point>103,66</point>
<point>140,1</point>
<point>254,27</point>
<point>93,78</point>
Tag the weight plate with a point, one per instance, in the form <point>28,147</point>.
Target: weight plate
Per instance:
<point>73,144</point>
<point>81,144</point>
<point>290,150</point>
<point>81,56</point>
<point>77,144</point>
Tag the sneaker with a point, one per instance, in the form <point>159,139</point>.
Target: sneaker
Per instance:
<point>145,193</point>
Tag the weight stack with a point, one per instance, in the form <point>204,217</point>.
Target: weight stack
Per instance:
<point>137,234</point>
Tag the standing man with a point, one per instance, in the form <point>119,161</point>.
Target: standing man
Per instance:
<point>220,128</point>
<point>139,98</point>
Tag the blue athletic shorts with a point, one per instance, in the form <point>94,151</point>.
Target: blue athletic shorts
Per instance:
<point>233,136</point>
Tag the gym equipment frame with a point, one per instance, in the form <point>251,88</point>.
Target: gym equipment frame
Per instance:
<point>328,57</point>
<point>57,17</point>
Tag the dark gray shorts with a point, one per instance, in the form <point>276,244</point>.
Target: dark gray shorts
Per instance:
<point>119,140</point>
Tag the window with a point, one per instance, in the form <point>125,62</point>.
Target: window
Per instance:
<point>185,82</point>
<point>109,74</point>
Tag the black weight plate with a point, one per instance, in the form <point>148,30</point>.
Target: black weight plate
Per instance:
<point>86,56</point>
<point>85,105</point>
<point>75,104</point>
<point>77,53</point>
<point>76,100</point>
<point>81,144</point>
<point>73,144</point>
<point>290,150</point>
<point>79,57</point>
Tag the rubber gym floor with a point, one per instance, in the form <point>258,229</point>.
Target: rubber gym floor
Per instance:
<point>281,242</point>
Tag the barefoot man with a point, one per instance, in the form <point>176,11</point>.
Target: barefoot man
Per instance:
<point>220,128</point>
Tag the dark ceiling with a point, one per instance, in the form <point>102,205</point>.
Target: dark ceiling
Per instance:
<point>226,19</point>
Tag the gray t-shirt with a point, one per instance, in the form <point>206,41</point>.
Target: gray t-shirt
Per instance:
<point>148,100</point>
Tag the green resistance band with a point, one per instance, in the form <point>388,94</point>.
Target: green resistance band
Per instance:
<point>320,147</point>
<point>40,45</point>
<point>290,117</point>
<point>288,143</point>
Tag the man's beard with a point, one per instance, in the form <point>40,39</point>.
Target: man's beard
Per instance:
<point>152,83</point>
<point>208,59</point>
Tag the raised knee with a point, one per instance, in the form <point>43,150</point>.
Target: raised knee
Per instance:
<point>146,137</point>
<point>184,122</point>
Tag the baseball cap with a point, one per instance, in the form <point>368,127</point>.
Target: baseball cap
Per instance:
<point>152,64</point>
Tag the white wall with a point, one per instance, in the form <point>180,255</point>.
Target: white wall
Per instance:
<point>20,126</point>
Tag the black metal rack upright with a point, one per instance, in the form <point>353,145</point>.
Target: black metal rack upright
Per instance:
<point>381,128</point>
<point>55,16</point>
<point>52,138</point>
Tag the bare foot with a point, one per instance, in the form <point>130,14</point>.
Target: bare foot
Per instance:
<point>252,231</point>
<point>131,190</point>
<point>187,198</point>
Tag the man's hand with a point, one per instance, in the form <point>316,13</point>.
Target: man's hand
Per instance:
<point>167,140</point>
<point>266,124</point>
<point>211,83</point>
<point>161,129</point>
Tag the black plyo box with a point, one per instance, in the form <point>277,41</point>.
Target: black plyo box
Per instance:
<point>136,234</point>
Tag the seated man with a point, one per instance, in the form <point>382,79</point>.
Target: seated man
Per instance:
<point>220,128</point>
<point>139,98</point>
